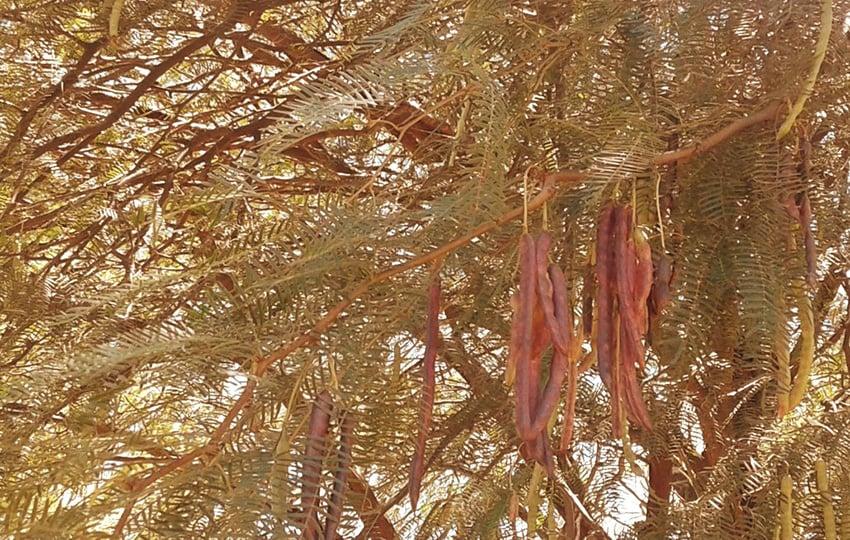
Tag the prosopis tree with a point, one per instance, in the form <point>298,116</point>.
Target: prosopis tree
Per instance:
<point>384,269</point>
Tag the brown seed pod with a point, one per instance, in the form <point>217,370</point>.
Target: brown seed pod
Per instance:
<point>630,387</point>
<point>632,326</point>
<point>606,287</point>
<point>426,408</point>
<point>311,471</point>
<point>525,397</point>
<point>587,315</point>
<point>616,384</point>
<point>558,368</point>
<point>660,295</point>
<point>643,281</point>
<point>540,342</point>
<point>545,291</point>
<point>533,449</point>
<point>346,436</point>
<point>643,287</point>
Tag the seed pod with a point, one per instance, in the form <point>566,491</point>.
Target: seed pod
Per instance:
<point>525,321</point>
<point>346,435</point>
<point>616,383</point>
<point>560,337</point>
<point>532,450</point>
<point>605,296</point>
<point>643,287</point>
<point>552,393</point>
<point>426,408</point>
<point>558,368</point>
<point>786,518</point>
<point>540,342</point>
<point>807,346</point>
<point>644,277</point>
<point>630,387</point>
<point>660,295</point>
<point>587,315</point>
<point>626,264</point>
<point>311,470</point>
<point>829,529</point>
<point>570,407</point>
<point>548,460</point>
<point>513,509</point>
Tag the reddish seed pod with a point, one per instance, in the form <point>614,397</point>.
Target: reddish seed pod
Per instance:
<point>545,290</point>
<point>558,368</point>
<point>587,315</point>
<point>552,393</point>
<point>630,387</point>
<point>606,288</point>
<point>532,449</point>
<point>525,397</point>
<point>643,282</point>
<point>548,461</point>
<point>426,409</point>
<point>660,295</point>
<point>311,471</point>
<point>346,436</point>
<point>615,388</point>
<point>626,263</point>
<point>540,342</point>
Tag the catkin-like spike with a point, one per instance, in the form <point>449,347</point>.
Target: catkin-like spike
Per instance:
<point>311,471</point>
<point>786,518</point>
<point>426,408</point>
<point>346,436</point>
<point>605,296</point>
<point>829,529</point>
<point>807,346</point>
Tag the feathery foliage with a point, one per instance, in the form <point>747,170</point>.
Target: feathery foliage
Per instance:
<point>214,211</point>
